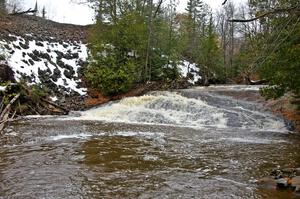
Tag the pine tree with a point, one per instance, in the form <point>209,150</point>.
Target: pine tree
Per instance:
<point>44,12</point>
<point>36,8</point>
<point>2,7</point>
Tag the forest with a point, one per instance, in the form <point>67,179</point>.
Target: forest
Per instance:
<point>140,41</point>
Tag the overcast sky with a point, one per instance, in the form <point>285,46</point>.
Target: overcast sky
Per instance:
<point>65,11</point>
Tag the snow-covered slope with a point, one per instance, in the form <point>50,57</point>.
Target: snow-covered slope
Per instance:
<point>50,62</point>
<point>190,71</point>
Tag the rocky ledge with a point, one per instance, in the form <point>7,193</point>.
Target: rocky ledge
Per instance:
<point>282,179</point>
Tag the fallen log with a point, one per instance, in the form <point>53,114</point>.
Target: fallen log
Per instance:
<point>258,82</point>
<point>55,105</point>
<point>5,113</point>
<point>24,12</point>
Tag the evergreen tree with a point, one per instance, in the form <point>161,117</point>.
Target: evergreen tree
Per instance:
<point>44,12</point>
<point>2,7</point>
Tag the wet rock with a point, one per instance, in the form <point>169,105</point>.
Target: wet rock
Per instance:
<point>295,183</point>
<point>267,182</point>
<point>282,183</point>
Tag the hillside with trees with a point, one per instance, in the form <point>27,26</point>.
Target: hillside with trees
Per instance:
<point>137,43</point>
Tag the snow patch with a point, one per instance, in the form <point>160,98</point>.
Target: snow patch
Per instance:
<point>2,88</point>
<point>187,68</point>
<point>46,61</point>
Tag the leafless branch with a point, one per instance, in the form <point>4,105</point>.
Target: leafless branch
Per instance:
<point>24,12</point>
<point>275,11</point>
<point>157,8</point>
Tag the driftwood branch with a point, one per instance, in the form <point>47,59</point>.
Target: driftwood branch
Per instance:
<point>24,12</point>
<point>4,117</point>
<point>275,11</point>
<point>224,2</point>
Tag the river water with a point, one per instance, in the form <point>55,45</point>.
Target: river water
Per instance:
<point>196,143</point>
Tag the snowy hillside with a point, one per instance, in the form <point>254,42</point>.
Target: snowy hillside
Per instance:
<point>49,62</point>
<point>190,71</point>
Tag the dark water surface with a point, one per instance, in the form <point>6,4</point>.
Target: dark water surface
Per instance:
<point>191,144</point>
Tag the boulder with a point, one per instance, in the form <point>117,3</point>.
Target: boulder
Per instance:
<point>267,182</point>
<point>295,183</point>
<point>6,74</point>
<point>282,183</point>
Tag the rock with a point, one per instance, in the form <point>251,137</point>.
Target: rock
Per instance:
<point>31,62</point>
<point>24,46</point>
<point>295,184</point>
<point>15,46</point>
<point>6,74</point>
<point>297,171</point>
<point>288,172</point>
<point>38,43</point>
<point>277,173</point>
<point>68,73</point>
<point>267,182</point>
<point>282,183</point>
<point>33,56</point>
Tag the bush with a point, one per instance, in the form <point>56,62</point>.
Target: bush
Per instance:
<point>110,78</point>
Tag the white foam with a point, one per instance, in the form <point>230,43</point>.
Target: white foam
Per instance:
<point>253,140</point>
<point>164,108</point>
<point>72,136</point>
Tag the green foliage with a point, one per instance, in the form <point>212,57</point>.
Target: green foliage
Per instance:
<point>210,56</point>
<point>116,49</point>
<point>282,67</point>
<point>111,79</point>
<point>2,7</point>
<point>38,92</point>
<point>133,47</point>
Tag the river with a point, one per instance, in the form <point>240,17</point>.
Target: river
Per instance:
<point>194,143</point>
